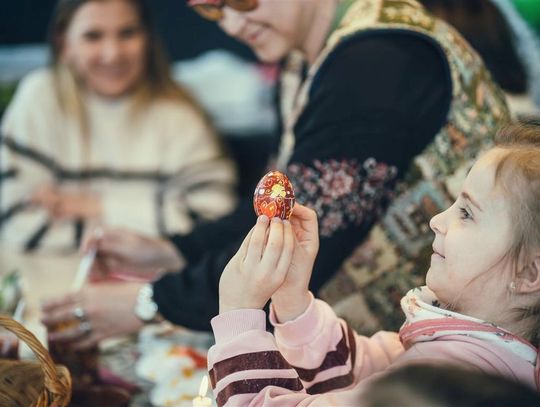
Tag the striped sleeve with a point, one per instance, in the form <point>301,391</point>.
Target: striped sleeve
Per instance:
<point>327,354</point>
<point>245,362</point>
<point>28,128</point>
<point>310,359</point>
<point>22,171</point>
<point>202,182</point>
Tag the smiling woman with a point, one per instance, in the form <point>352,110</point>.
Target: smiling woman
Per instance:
<point>106,46</point>
<point>105,136</point>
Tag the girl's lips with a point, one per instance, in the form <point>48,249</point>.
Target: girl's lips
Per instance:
<point>436,256</point>
<point>436,253</point>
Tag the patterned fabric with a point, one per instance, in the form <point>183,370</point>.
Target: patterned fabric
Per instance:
<point>426,322</point>
<point>422,310</point>
<point>343,192</point>
<point>395,256</point>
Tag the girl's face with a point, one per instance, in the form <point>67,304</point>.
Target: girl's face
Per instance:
<point>105,44</point>
<point>273,29</point>
<point>470,271</point>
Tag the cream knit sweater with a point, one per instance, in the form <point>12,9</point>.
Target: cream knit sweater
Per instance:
<point>156,172</point>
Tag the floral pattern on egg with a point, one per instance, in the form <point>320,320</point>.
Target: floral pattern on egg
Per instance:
<point>274,196</point>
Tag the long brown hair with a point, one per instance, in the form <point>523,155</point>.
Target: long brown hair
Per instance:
<point>156,82</point>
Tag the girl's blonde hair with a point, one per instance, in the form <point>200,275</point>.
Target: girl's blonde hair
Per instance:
<point>156,82</point>
<point>518,172</point>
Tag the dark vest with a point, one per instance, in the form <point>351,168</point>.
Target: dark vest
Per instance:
<point>396,254</point>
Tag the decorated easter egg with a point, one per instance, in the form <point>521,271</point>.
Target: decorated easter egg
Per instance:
<point>274,196</point>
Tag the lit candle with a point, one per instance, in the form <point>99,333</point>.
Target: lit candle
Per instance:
<point>201,400</point>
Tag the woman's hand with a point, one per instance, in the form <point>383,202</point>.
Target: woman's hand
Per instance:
<point>259,267</point>
<point>46,197</point>
<point>72,205</point>
<point>107,310</point>
<point>292,298</point>
<point>68,205</point>
<point>127,252</point>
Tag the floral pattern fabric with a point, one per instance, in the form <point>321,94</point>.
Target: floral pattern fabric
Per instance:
<point>343,192</point>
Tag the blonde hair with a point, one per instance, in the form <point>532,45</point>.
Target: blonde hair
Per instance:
<point>518,172</point>
<point>156,82</point>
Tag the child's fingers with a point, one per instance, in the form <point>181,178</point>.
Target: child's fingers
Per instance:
<point>274,245</point>
<point>242,251</point>
<point>305,217</point>
<point>304,222</point>
<point>288,249</point>
<point>256,243</point>
<point>303,212</point>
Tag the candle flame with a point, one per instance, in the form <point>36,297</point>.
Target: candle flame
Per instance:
<point>204,386</point>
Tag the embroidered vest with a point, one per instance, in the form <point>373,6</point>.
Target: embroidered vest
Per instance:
<point>395,256</point>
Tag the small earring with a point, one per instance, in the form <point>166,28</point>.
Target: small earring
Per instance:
<point>512,285</point>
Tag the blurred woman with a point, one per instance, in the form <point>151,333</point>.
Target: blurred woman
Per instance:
<point>104,136</point>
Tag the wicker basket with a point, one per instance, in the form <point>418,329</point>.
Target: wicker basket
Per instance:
<point>34,384</point>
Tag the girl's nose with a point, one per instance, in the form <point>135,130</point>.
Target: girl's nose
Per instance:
<point>232,22</point>
<point>437,223</point>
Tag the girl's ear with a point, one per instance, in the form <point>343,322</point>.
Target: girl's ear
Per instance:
<point>529,277</point>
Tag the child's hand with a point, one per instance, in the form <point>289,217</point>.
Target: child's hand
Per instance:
<point>259,267</point>
<point>292,298</point>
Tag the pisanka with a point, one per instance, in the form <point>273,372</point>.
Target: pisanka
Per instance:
<point>480,308</point>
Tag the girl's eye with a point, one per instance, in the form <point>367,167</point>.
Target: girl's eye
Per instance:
<point>465,214</point>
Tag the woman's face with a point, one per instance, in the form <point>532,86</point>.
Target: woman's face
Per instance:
<point>105,44</point>
<point>273,29</point>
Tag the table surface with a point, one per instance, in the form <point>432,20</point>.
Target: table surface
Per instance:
<point>49,275</point>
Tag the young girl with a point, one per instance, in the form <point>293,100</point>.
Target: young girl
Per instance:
<point>480,308</point>
<point>105,136</point>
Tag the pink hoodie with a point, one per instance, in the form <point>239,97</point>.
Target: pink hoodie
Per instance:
<point>317,360</point>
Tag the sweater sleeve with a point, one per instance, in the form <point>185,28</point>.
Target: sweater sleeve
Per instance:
<point>375,104</point>
<point>25,166</point>
<point>197,182</point>
<point>316,353</point>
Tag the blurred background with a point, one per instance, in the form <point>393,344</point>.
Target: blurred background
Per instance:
<point>185,33</point>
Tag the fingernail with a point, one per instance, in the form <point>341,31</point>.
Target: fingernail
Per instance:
<point>286,222</point>
<point>276,220</point>
<point>263,219</point>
